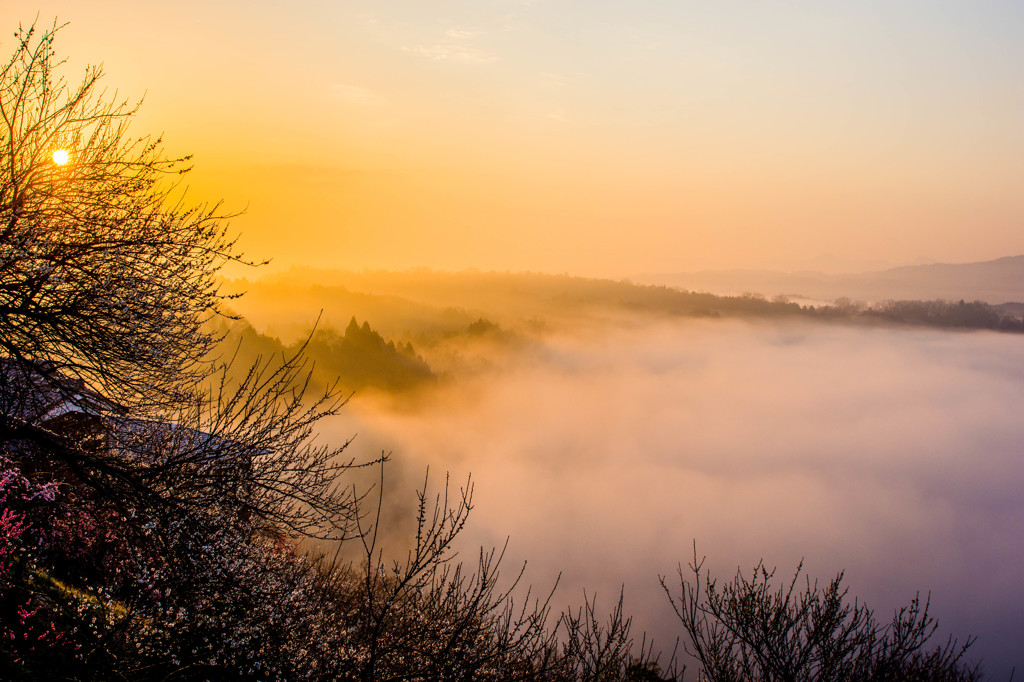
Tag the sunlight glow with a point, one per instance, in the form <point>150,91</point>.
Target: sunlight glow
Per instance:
<point>60,157</point>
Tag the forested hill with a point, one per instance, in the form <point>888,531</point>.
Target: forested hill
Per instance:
<point>357,358</point>
<point>995,282</point>
<point>423,305</point>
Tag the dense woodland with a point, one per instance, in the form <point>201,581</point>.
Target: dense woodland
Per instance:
<point>354,360</point>
<point>424,306</point>
<point>157,492</point>
<point>361,359</point>
<point>429,327</point>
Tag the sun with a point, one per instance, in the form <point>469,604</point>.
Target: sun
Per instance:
<point>60,157</point>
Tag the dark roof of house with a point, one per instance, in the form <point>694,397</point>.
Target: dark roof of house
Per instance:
<point>38,392</point>
<point>51,399</point>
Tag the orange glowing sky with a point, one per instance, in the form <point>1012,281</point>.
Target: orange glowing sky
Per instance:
<point>601,137</point>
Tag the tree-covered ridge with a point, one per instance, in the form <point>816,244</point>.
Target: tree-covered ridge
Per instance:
<point>426,305</point>
<point>994,281</point>
<point>355,359</point>
<point>361,357</point>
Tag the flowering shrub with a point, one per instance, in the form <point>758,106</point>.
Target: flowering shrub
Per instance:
<point>27,627</point>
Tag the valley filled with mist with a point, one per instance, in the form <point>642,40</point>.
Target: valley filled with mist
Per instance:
<point>608,426</point>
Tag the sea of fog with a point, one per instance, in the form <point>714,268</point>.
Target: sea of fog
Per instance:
<point>892,454</point>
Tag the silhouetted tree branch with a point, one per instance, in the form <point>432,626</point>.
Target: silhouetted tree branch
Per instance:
<point>105,275</point>
<point>750,630</point>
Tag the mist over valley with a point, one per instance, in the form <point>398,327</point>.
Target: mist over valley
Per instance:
<point>607,428</point>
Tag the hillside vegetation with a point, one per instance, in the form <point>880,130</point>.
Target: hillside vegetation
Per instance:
<point>422,327</point>
<point>423,305</point>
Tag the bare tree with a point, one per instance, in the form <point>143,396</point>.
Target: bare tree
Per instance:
<point>597,652</point>
<point>431,617</point>
<point>105,274</point>
<point>181,488</point>
<point>107,287</point>
<point>749,630</point>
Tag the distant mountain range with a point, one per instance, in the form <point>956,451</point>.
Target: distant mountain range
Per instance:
<point>995,282</point>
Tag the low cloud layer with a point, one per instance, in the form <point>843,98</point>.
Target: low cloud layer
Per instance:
<point>894,455</point>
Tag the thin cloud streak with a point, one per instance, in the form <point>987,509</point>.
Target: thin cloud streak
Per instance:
<point>353,94</point>
<point>456,46</point>
<point>452,52</point>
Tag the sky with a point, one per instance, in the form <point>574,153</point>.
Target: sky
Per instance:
<point>597,138</point>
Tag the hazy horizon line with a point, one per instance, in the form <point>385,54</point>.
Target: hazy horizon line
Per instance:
<point>270,270</point>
